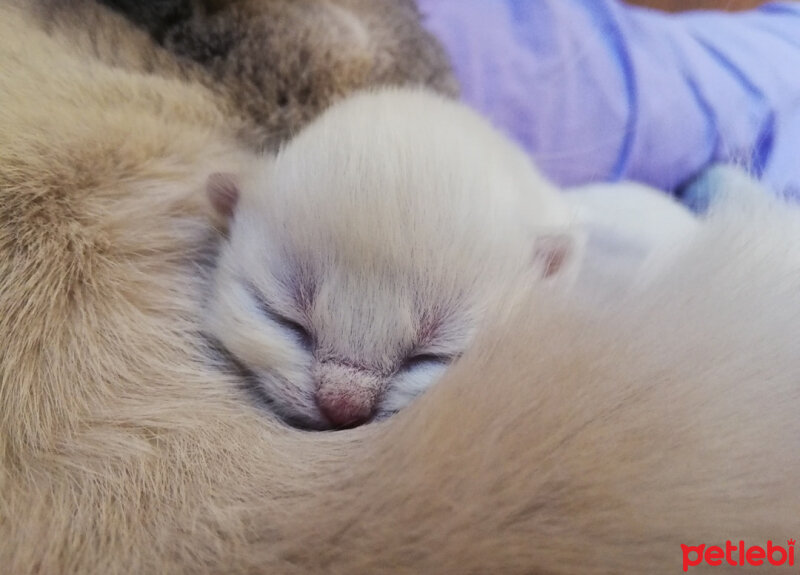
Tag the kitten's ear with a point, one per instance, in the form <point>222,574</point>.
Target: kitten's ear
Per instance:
<point>223,192</point>
<point>555,253</point>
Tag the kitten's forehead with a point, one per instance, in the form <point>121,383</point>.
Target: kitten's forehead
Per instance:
<point>407,179</point>
<point>398,212</point>
<point>364,320</point>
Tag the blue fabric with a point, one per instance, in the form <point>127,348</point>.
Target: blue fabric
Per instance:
<point>598,90</point>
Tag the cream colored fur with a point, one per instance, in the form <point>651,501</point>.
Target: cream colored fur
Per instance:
<point>631,232</point>
<point>568,440</point>
<point>380,236</point>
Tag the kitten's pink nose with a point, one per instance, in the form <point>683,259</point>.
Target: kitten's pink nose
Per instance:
<point>346,395</point>
<point>344,410</point>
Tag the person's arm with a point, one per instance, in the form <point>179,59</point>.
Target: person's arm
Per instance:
<point>599,90</point>
<point>683,5</point>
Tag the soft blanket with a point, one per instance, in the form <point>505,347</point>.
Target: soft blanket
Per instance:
<point>599,90</point>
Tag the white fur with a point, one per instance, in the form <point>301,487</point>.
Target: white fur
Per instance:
<point>631,231</point>
<point>383,229</point>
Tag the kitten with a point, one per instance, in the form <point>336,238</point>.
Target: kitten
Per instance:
<point>564,441</point>
<point>631,233</point>
<point>362,257</point>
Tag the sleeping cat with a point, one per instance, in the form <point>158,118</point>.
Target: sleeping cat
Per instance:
<point>362,258</point>
<point>566,440</point>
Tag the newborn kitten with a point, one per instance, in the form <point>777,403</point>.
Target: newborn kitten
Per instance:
<point>631,232</point>
<point>362,257</point>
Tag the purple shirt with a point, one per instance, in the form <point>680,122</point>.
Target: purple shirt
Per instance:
<point>599,90</point>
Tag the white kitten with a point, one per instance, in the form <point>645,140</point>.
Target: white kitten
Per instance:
<point>631,232</point>
<point>363,256</point>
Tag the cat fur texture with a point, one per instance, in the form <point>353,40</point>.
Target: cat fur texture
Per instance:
<point>566,440</point>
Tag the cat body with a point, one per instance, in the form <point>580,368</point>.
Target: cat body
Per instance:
<point>567,439</point>
<point>272,65</point>
<point>631,231</point>
<point>276,63</point>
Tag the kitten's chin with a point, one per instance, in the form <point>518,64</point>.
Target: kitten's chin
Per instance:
<point>306,417</point>
<point>303,422</point>
<point>291,417</point>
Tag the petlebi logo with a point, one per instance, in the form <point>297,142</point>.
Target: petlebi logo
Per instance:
<point>738,555</point>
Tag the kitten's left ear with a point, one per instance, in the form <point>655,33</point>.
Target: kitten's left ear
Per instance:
<point>223,192</point>
<point>556,252</point>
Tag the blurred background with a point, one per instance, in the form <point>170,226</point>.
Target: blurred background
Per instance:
<point>678,5</point>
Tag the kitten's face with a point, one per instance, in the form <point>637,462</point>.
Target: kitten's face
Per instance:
<point>362,259</point>
<point>335,346</point>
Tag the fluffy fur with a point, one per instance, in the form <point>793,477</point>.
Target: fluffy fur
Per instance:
<point>364,256</point>
<point>568,440</point>
<point>276,63</point>
<point>630,231</point>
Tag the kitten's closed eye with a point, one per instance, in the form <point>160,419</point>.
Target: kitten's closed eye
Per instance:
<point>426,360</point>
<point>300,332</point>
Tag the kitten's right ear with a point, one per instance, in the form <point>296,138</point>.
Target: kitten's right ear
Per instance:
<point>553,253</point>
<point>223,192</point>
<point>559,253</point>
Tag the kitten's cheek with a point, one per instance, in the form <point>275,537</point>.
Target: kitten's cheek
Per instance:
<point>292,399</point>
<point>406,387</point>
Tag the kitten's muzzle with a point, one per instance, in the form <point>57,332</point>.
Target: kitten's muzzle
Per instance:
<point>347,396</point>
